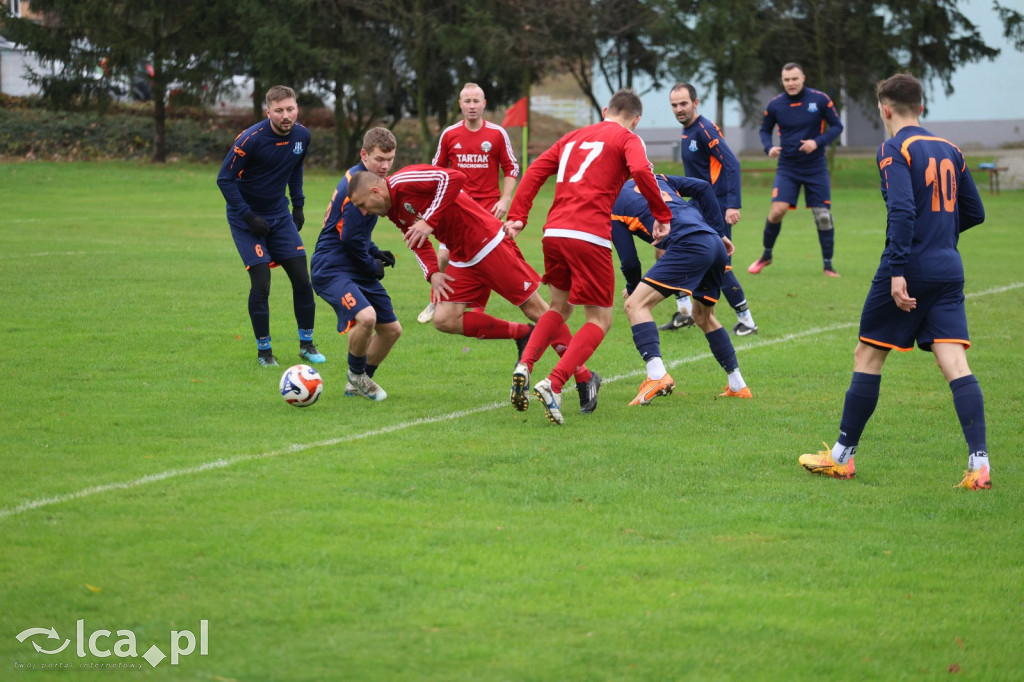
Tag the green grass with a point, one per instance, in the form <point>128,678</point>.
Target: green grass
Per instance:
<point>150,476</point>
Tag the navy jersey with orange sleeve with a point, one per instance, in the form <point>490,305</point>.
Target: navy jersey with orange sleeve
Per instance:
<point>706,156</point>
<point>930,198</point>
<point>591,165</point>
<point>631,218</point>
<point>345,243</point>
<point>259,166</point>
<point>808,115</point>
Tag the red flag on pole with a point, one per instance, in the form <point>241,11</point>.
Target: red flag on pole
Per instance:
<point>518,114</point>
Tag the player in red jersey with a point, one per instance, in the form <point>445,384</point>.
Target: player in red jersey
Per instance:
<point>422,200</point>
<point>483,151</point>
<point>591,165</point>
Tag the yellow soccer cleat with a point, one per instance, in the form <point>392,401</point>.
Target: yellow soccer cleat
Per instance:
<point>976,480</point>
<point>823,465</point>
<point>652,388</point>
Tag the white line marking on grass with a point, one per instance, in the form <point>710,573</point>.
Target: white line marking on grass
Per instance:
<point>300,447</point>
<point>57,253</point>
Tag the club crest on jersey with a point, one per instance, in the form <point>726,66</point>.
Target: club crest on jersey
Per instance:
<point>693,145</point>
<point>812,107</point>
<point>297,149</point>
<point>486,147</point>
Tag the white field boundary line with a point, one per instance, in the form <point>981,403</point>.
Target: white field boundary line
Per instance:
<point>223,463</point>
<point>43,254</point>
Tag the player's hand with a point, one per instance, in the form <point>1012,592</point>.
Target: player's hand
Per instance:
<point>899,294</point>
<point>513,228</point>
<point>774,152</point>
<point>257,226</point>
<point>387,258</point>
<point>417,233</point>
<point>732,216</point>
<point>808,146</point>
<point>439,285</point>
<point>298,217</point>
<point>378,268</point>
<point>659,231</point>
<point>729,247</point>
<point>500,209</point>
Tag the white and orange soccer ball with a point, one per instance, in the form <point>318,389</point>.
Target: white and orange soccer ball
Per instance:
<point>301,385</point>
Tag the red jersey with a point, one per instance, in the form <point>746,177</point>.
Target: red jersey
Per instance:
<point>480,154</point>
<point>592,164</point>
<point>435,194</point>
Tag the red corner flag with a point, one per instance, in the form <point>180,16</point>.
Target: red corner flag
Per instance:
<point>518,115</point>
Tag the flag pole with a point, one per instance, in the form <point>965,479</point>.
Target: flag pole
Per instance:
<point>526,135</point>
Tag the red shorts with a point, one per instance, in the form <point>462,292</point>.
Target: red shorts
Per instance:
<point>503,271</point>
<point>583,269</point>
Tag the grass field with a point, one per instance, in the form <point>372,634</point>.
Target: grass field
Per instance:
<point>151,478</point>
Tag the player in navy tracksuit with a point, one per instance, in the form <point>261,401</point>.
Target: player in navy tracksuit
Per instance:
<point>706,156</point>
<point>801,114</point>
<point>347,268</point>
<point>918,291</point>
<point>263,160</point>
<point>696,251</point>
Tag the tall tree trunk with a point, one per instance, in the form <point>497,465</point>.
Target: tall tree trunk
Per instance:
<point>159,118</point>
<point>720,102</point>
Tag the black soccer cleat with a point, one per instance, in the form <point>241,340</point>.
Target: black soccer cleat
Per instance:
<point>588,393</point>
<point>521,343</point>
<point>677,322</point>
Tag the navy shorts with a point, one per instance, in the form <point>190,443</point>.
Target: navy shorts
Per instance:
<point>817,189</point>
<point>693,264</point>
<point>282,243</point>
<point>939,317</point>
<point>348,297</point>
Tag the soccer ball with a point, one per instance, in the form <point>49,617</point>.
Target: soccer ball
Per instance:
<point>301,385</point>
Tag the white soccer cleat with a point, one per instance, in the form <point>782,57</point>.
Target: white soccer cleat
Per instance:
<point>552,401</point>
<point>365,386</point>
<point>520,393</point>
<point>427,315</point>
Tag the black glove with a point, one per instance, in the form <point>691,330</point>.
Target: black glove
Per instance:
<point>378,266</point>
<point>387,258</point>
<point>298,217</point>
<point>257,226</point>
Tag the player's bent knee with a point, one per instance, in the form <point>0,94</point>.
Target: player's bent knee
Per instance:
<point>822,218</point>
<point>390,331</point>
<point>259,279</point>
<point>446,322</point>
<point>366,318</point>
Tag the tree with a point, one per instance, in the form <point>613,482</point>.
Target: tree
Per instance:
<point>182,41</point>
<point>618,41</point>
<point>847,46</point>
<point>441,45</point>
<point>716,45</point>
<point>356,63</point>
